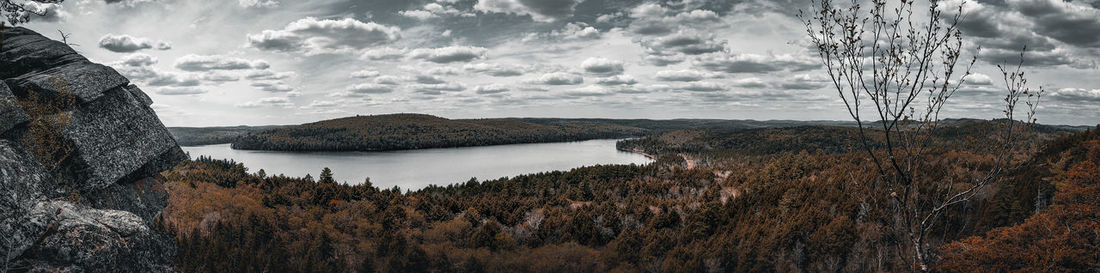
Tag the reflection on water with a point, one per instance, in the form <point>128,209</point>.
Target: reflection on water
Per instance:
<point>416,169</point>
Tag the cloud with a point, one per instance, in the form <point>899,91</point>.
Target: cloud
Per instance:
<point>126,43</point>
<point>1068,22</point>
<point>703,87</point>
<point>435,10</point>
<point>418,14</point>
<point>978,79</point>
<point>687,43</point>
<point>388,80</point>
<point>319,36</point>
<point>274,87</point>
<point>602,66</point>
<point>1076,95</point>
<point>176,91</point>
<point>428,79</point>
<point>268,75</point>
<point>449,54</point>
<point>322,104</point>
<point>539,10</point>
<point>685,75</point>
<point>137,60</point>
<point>590,91</point>
<point>281,102</point>
<point>560,78</point>
<point>384,53</point>
<point>192,62</point>
<point>216,76</point>
<point>575,31</point>
<point>664,60</point>
<point>752,82</point>
<point>173,79</point>
<point>363,74</point>
<point>752,63</point>
<point>437,89</point>
<point>45,12</point>
<point>617,80</point>
<point>369,88</point>
<point>258,3</point>
<point>490,89</point>
<point>495,69</point>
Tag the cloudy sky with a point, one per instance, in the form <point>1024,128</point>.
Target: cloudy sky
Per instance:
<point>256,62</point>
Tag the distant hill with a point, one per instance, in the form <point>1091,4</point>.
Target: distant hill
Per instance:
<point>197,136</point>
<point>418,131</point>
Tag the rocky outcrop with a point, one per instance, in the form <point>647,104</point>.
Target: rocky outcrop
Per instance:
<point>88,201</point>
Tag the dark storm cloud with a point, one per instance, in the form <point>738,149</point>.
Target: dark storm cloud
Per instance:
<point>192,62</point>
<point>126,43</point>
<point>1070,23</point>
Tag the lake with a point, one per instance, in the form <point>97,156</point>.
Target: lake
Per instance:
<point>415,169</point>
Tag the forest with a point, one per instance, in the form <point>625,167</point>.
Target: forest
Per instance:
<point>439,131</point>
<point>710,203</point>
<point>417,131</point>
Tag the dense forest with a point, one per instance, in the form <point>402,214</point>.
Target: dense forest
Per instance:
<point>708,204</point>
<point>197,136</point>
<point>416,131</point>
<point>434,126</point>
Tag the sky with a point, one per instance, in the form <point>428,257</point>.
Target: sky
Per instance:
<point>263,62</point>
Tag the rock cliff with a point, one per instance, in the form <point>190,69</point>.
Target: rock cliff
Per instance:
<point>80,153</point>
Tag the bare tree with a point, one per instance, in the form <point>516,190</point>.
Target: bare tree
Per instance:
<point>897,64</point>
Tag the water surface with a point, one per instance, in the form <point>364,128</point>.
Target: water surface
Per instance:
<point>414,169</point>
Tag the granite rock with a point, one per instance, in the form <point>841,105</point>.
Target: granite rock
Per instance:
<point>96,210</point>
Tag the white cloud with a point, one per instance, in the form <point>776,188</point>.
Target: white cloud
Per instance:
<point>496,69</point>
<point>686,75</point>
<point>602,66</point>
<point>539,10</point>
<point>269,75</point>
<point>449,54</point>
<point>282,102</point>
<point>176,91</point>
<point>192,62</point>
<point>560,78</point>
<point>126,43</point>
<point>363,74</point>
<point>319,36</point>
<point>490,89</point>
<point>137,59</point>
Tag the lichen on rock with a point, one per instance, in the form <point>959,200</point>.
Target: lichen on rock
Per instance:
<point>91,206</point>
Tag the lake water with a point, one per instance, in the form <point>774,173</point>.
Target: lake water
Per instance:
<point>415,169</point>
